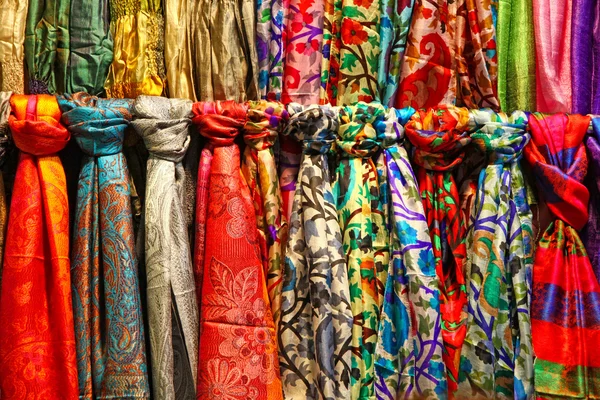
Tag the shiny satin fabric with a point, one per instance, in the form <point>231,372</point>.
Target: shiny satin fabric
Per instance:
<point>224,50</point>
<point>137,29</point>
<point>516,55</point>
<point>585,57</point>
<point>13,16</point>
<point>111,350</point>
<point>315,328</point>
<point>5,142</point>
<point>171,297</point>
<point>552,27</point>
<point>238,350</point>
<point>37,335</point>
<point>178,49</point>
<point>270,26</point>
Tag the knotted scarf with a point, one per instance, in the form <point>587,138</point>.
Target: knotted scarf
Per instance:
<point>585,56</point>
<point>439,137</point>
<point>13,16</point>
<point>270,47</point>
<point>111,353</point>
<point>564,307</point>
<point>496,359</point>
<point>238,351</point>
<point>37,340</point>
<point>315,328</point>
<point>164,124</point>
<point>408,356</point>
<point>591,233</point>
<point>4,145</point>
<point>357,192</point>
<point>265,121</point>
<point>178,49</point>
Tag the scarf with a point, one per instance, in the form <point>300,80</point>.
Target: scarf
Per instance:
<point>439,137</point>
<point>178,54</point>
<point>591,233</point>
<point>496,358</point>
<point>516,55</point>
<point>330,63</point>
<point>408,356</point>
<point>238,351</point>
<point>270,48</point>
<point>315,328</point>
<point>290,153</point>
<point>563,308</point>
<point>172,309</point>
<point>4,147</point>
<point>111,354</point>
<point>137,28</point>
<point>13,15</point>
<point>37,340</point>
<point>585,57</point>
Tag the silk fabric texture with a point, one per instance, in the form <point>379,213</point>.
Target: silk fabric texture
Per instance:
<point>564,310</point>
<point>178,49</point>
<point>171,296</point>
<point>111,350</point>
<point>496,358</point>
<point>238,350</point>
<point>315,328</point>
<point>585,57</point>
<point>13,16</point>
<point>37,335</point>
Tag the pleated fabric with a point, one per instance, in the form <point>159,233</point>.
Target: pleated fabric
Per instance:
<point>552,23</point>
<point>4,148</point>
<point>516,55</point>
<point>564,309</point>
<point>315,328</point>
<point>585,57</point>
<point>178,49</point>
<point>365,240</point>
<point>224,45</point>
<point>111,353</point>
<point>170,288</point>
<point>439,137</point>
<point>37,339</point>
<point>264,123</point>
<point>496,358</point>
<point>591,233</point>
<point>138,66</point>
<point>238,350</point>
<point>13,17</point>
<point>408,356</point>
<point>270,26</point>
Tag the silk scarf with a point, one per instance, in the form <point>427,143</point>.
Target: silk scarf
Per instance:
<point>111,353</point>
<point>138,67</point>
<point>516,55</point>
<point>591,233</point>
<point>270,27</point>
<point>238,350</point>
<point>4,147</point>
<point>496,358</point>
<point>585,57</point>
<point>563,310</point>
<point>13,16</point>
<point>172,309</point>
<point>37,340</point>
<point>408,356</point>
<point>439,137</point>
<point>290,153</point>
<point>315,328</point>
<point>178,49</point>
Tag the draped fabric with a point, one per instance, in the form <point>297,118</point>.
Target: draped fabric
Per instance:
<point>137,28</point>
<point>171,296</point>
<point>330,63</point>
<point>13,16</point>
<point>315,328</point>
<point>585,57</point>
<point>552,23</point>
<point>408,356</point>
<point>496,358</point>
<point>224,50</point>
<point>357,193</point>
<point>265,122</point>
<point>591,234</point>
<point>238,351</point>
<point>305,50</point>
<point>4,145</point>
<point>439,137</point>
<point>516,55</point>
<point>564,307</point>
<point>37,341</point>
<point>290,153</point>
<point>178,49</point>
<point>111,353</point>
<point>270,27</point>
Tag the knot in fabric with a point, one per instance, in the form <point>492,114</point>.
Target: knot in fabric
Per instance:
<point>502,137</point>
<point>315,126</point>
<point>98,125</point>
<point>35,124</point>
<point>439,137</point>
<point>357,136</point>
<point>265,121</point>
<point>390,128</point>
<point>220,121</point>
<point>164,125</point>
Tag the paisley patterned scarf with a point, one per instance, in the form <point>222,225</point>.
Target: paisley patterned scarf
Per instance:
<point>439,137</point>
<point>315,328</point>
<point>564,308</point>
<point>408,356</point>
<point>496,359</point>
<point>13,15</point>
<point>270,46</point>
<point>111,354</point>
<point>40,361</point>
